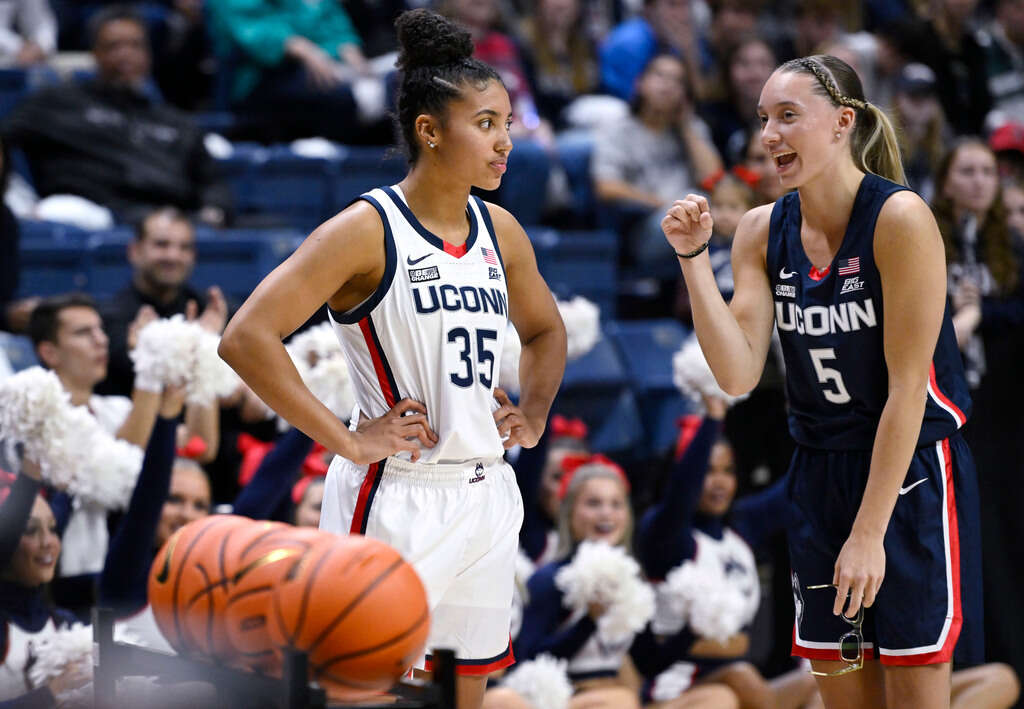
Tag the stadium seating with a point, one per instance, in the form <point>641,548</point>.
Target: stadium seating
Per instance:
<point>19,351</point>
<point>647,347</point>
<point>578,263</point>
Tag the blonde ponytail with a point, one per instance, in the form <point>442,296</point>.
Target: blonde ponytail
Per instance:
<point>875,146</point>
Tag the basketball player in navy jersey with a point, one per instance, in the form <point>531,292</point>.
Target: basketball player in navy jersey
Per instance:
<point>850,268</point>
<point>421,279</point>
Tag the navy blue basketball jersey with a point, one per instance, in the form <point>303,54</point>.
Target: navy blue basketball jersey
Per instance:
<point>830,324</point>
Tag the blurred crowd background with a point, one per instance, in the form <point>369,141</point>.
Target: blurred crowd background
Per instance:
<point>162,157</point>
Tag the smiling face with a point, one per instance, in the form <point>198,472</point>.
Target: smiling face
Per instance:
<point>188,500</point>
<point>35,559</point>
<point>798,127</point>
<point>473,140</point>
<point>165,254</point>
<point>600,511</point>
<point>720,481</point>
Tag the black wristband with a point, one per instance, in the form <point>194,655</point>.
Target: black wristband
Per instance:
<point>696,252</point>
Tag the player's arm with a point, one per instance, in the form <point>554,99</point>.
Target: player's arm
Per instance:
<point>734,337</point>
<point>909,255</point>
<point>533,311</point>
<point>342,262</point>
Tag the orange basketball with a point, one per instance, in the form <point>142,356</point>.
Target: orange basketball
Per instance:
<point>257,567</point>
<point>173,575</point>
<point>206,585</point>
<point>360,612</point>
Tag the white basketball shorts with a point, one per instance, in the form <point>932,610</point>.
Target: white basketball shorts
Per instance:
<point>458,525</point>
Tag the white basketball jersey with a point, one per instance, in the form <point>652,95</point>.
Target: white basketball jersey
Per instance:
<point>433,330</point>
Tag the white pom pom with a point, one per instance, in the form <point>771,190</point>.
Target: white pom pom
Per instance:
<point>176,352</point>
<point>318,342</point>
<point>508,372</point>
<point>692,375</point>
<point>330,382</point>
<point>164,353</point>
<point>60,651</point>
<point>73,451</point>
<point>607,575</point>
<point>543,682</point>
<point>674,681</point>
<point>700,593</point>
<point>582,325</point>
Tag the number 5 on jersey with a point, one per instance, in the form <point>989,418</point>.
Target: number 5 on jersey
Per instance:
<point>463,375</point>
<point>832,379</point>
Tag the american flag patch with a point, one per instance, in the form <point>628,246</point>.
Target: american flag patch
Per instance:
<point>849,266</point>
<point>489,255</point>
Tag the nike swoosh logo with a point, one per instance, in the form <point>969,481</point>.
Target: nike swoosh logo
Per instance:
<point>412,262</point>
<point>908,488</point>
<point>783,274</point>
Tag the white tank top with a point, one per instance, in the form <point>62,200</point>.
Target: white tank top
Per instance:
<point>433,330</point>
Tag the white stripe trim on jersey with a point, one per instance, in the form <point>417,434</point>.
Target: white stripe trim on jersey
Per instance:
<point>925,649</point>
<point>941,404</point>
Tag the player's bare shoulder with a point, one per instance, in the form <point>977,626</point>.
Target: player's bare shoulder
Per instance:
<point>356,234</point>
<point>752,232</point>
<point>509,233</point>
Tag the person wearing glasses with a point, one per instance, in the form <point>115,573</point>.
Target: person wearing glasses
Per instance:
<point>849,267</point>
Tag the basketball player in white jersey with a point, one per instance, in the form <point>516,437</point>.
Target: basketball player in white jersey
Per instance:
<point>420,280</point>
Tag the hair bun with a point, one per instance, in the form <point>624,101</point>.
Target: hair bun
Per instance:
<point>428,39</point>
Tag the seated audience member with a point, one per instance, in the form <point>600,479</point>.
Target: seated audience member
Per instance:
<point>595,507</point>
<point>946,43</point>
<point>1007,142</point>
<point>162,256</point>
<point>760,168</point>
<point>924,133</point>
<point>109,141</point>
<point>1002,43</point>
<point>690,523</point>
<point>559,56</point>
<point>664,26</point>
<point>292,62</point>
<point>69,339</point>
<point>647,159</point>
<point>815,23</point>
<point>746,66</point>
<point>29,549</point>
<point>28,32</point>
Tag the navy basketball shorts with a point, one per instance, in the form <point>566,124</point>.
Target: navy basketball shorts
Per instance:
<point>931,587</point>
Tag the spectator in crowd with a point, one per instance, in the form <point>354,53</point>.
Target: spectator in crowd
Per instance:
<point>1003,45</point>
<point>946,43</point>
<point>28,32</point>
<point>539,473</point>
<point>595,507</point>
<point>308,496</point>
<point>162,255</point>
<point>816,23</point>
<point>559,58</point>
<point>665,26</point>
<point>987,293</point>
<point>1013,200</point>
<point>293,63</point>
<point>746,67</point>
<point>731,21</point>
<point>689,522</point>
<point>107,139</point>
<point>648,158</point>
<point>1007,142</point>
<point>924,133</point>
<point>30,546</point>
<point>69,339</point>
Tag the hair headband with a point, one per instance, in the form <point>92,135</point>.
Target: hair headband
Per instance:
<point>826,80</point>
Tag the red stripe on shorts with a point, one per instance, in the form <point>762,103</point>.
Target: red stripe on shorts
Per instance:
<point>365,498</point>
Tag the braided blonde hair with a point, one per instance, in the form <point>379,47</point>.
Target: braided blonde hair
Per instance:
<point>874,143</point>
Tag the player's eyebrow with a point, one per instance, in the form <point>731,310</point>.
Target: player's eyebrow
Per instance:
<point>777,105</point>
